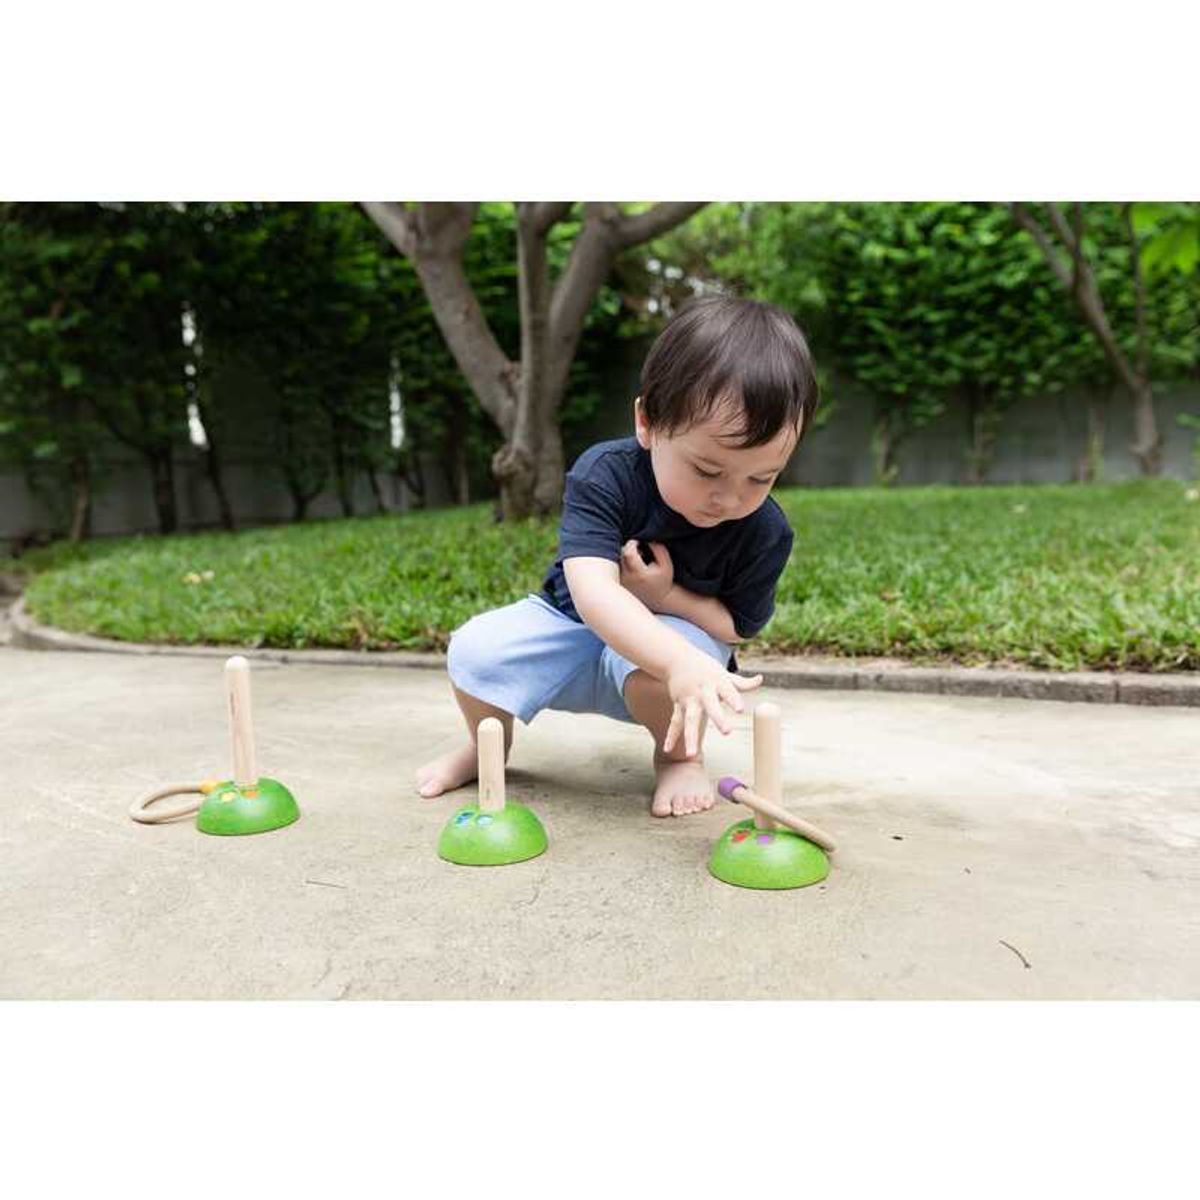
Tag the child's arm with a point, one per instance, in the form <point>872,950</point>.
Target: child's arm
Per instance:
<point>654,585</point>
<point>706,611</point>
<point>696,683</point>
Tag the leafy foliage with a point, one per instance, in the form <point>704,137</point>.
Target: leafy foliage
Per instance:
<point>929,306</point>
<point>1172,232</point>
<point>90,308</point>
<point>291,293</point>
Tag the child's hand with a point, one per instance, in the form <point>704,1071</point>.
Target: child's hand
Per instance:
<point>697,685</point>
<point>650,583</point>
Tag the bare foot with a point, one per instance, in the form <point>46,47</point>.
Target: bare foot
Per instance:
<point>681,787</point>
<point>448,772</point>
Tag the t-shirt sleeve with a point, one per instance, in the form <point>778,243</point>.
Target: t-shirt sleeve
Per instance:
<point>751,596</point>
<point>592,516</point>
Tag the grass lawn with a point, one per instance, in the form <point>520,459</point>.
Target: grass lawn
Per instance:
<point>1105,576</point>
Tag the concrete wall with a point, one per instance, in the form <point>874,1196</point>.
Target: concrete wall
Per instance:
<point>1041,441</point>
<point>123,503</point>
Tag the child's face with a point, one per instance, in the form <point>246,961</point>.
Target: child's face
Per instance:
<point>704,476</point>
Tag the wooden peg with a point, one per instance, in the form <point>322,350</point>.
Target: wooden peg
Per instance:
<point>489,738</point>
<point>241,725</point>
<point>768,769</point>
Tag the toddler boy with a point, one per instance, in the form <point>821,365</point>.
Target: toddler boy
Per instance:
<point>669,552</point>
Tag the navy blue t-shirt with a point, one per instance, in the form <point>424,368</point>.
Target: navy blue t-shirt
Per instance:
<point>611,496</point>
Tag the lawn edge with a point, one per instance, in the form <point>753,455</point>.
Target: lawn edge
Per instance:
<point>1096,687</point>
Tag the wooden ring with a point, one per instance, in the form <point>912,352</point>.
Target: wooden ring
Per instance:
<point>138,810</point>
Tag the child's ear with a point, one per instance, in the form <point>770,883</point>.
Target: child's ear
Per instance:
<point>639,424</point>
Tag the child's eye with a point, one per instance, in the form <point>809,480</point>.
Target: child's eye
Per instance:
<point>708,474</point>
<point>763,482</point>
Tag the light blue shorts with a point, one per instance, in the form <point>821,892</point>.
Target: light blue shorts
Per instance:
<point>528,656</point>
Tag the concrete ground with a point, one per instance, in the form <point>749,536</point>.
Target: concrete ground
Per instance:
<point>989,849</point>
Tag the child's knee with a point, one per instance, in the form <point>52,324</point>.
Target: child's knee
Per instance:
<point>472,647</point>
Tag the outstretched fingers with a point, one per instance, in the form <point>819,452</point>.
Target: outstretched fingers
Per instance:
<point>687,715</point>
<point>712,705</point>
<point>732,688</point>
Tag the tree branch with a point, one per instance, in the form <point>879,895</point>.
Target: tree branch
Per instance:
<point>1082,285</point>
<point>395,221</point>
<point>443,227</point>
<point>644,227</point>
<point>1072,238</point>
<point>1062,228</point>
<point>547,214</point>
<point>432,237</point>
<point>533,284</point>
<point>585,272</point>
<point>606,232</point>
<point>1033,227</point>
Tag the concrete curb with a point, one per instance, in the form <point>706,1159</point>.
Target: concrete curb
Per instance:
<point>884,675</point>
<point>28,634</point>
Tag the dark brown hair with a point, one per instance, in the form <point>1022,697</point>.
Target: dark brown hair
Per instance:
<point>721,348</point>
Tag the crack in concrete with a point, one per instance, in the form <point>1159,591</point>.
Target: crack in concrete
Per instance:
<point>537,891</point>
<point>1028,964</point>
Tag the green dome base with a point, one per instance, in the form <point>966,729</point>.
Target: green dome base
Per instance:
<point>749,857</point>
<point>491,839</point>
<point>229,809</point>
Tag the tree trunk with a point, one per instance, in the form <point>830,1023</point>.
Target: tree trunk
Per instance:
<point>1080,281</point>
<point>412,476</point>
<point>212,465</point>
<point>516,464</point>
<point>162,473</point>
<point>340,472</point>
<point>197,391</point>
<point>376,490</point>
<point>522,398</point>
<point>1092,459</point>
<point>885,447</point>
<point>292,453</point>
<point>301,496</point>
<point>1147,444</point>
<point>81,510</point>
<point>548,490</point>
<point>983,419</point>
<point>158,453</point>
<point>458,475</point>
<point>212,456</point>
